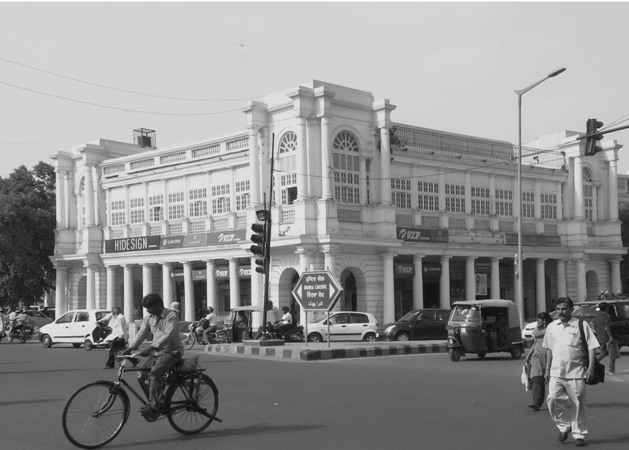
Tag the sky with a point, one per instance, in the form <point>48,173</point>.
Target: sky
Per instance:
<point>448,66</point>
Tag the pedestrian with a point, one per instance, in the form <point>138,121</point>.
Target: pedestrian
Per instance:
<point>608,343</point>
<point>211,322</point>
<point>535,362</point>
<point>119,335</point>
<point>567,371</point>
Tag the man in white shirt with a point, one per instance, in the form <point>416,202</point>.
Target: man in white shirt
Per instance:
<point>211,322</point>
<point>567,371</point>
<point>119,334</point>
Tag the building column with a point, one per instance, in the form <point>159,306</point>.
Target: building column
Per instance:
<point>90,291</point>
<point>302,164</point>
<point>537,200</point>
<point>129,313</point>
<point>444,283</point>
<point>188,289</point>
<point>167,282</point>
<point>329,259</point>
<point>541,285</point>
<point>96,197</point>
<point>581,284</point>
<point>470,278</point>
<point>254,168</point>
<point>89,197</point>
<point>613,190</point>
<point>389,289</point>
<point>561,278</point>
<point>326,190</point>
<point>442,192</point>
<point>418,283</point>
<point>147,283</point>
<point>385,166</point>
<point>61,300</point>
<point>60,199</point>
<point>560,201</point>
<point>110,287</point>
<point>579,209</point>
<point>616,285</point>
<point>210,284</point>
<point>495,277</point>
<point>468,192</point>
<point>234,283</point>
<point>362,180</point>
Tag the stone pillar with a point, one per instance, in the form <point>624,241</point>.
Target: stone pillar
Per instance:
<point>442,192</point>
<point>89,197</point>
<point>188,288</point>
<point>90,294</point>
<point>470,278</point>
<point>389,288</point>
<point>561,278</point>
<point>492,197</point>
<point>326,180</point>
<point>541,285</point>
<point>111,283</point>
<point>615,282</point>
<point>418,283</point>
<point>302,164</point>
<point>363,180</point>
<point>329,259</point>
<point>167,283</point>
<point>537,200</point>
<point>254,168</point>
<point>559,202</point>
<point>210,286</point>
<point>613,190</point>
<point>96,195</point>
<point>61,300</point>
<point>495,277</point>
<point>60,199</point>
<point>234,283</point>
<point>468,192</point>
<point>581,284</point>
<point>579,207</point>
<point>444,283</point>
<point>147,282</point>
<point>129,313</point>
<point>385,166</point>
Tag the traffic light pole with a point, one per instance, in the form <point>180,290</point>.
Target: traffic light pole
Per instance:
<point>611,130</point>
<point>267,243</point>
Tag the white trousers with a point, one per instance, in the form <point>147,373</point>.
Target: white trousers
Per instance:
<point>566,404</point>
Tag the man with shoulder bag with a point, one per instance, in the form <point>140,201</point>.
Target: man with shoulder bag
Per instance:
<point>571,345</point>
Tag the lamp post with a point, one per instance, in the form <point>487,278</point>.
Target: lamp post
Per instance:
<point>519,269</point>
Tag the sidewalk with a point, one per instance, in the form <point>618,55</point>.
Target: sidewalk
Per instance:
<point>320,351</point>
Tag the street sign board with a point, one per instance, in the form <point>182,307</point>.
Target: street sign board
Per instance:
<point>317,291</point>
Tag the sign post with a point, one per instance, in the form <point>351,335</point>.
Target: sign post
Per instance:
<point>317,291</point>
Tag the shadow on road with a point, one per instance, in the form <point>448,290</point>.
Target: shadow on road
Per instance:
<point>244,431</point>
<point>608,405</point>
<point>610,440</point>
<point>27,402</point>
<point>29,372</point>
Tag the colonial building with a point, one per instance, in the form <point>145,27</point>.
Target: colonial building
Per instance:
<point>402,215</point>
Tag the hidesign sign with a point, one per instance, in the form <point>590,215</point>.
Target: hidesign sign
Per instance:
<point>132,244</point>
<point>213,238</point>
<point>422,234</point>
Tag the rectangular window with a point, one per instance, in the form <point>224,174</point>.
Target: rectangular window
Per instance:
<point>156,208</point>
<point>428,196</point>
<point>528,204</point>
<point>455,198</point>
<point>504,202</point>
<point>288,184</point>
<point>401,192</point>
<point>117,213</point>
<point>549,205</point>
<point>480,201</point>
<point>588,201</point>
<point>175,205</point>
<point>346,170</point>
<point>197,202</point>
<point>220,199</point>
<point>136,210</point>
<point>242,195</point>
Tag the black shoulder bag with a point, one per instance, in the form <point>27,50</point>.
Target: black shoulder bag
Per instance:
<point>598,373</point>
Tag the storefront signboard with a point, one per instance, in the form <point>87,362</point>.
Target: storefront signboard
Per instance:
<point>404,270</point>
<point>478,237</point>
<point>220,273</point>
<point>534,240</point>
<point>422,234</point>
<point>204,239</point>
<point>132,244</point>
<point>481,284</point>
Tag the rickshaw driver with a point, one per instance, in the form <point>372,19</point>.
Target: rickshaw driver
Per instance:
<point>165,351</point>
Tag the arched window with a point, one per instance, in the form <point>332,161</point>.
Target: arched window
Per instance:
<point>346,168</point>
<point>589,196</point>
<point>286,180</point>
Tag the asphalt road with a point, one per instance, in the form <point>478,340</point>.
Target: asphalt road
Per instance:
<point>413,401</point>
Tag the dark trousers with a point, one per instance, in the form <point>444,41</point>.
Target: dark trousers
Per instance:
<point>538,390</point>
<point>116,345</point>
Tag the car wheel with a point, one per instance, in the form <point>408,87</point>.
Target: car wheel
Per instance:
<point>402,337</point>
<point>455,355</point>
<point>46,341</point>
<point>76,345</point>
<point>482,355</point>
<point>516,352</point>
<point>315,337</point>
<point>87,344</point>
<point>369,337</point>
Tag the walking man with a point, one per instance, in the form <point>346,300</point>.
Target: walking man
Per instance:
<point>567,371</point>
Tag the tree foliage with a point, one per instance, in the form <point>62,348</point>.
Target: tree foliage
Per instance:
<point>27,224</point>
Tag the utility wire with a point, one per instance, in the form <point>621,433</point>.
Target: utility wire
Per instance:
<point>114,88</point>
<point>115,108</point>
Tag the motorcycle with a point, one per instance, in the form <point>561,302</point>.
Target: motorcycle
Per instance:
<point>291,333</point>
<point>21,333</point>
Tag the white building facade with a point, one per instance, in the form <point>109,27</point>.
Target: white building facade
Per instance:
<point>403,216</point>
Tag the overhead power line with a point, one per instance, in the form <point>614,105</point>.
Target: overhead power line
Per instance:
<point>114,88</point>
<point>115,108</point>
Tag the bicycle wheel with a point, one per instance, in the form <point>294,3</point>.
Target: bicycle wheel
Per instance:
<point>95,414</point>
<point>193,404</point>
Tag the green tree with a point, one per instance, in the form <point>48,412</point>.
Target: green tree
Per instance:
<point>27,227</point>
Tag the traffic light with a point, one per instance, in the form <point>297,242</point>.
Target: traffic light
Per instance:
<point>259,239</point>
<point>591,136</point>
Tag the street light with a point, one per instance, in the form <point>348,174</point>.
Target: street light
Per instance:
<point>519,269</point>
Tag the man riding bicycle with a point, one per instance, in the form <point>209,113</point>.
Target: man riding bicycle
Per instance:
<point>165,351</point>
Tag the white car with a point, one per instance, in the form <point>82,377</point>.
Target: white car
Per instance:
<point>74,327</point>
<point>344,326</point>
<point>527,331</point>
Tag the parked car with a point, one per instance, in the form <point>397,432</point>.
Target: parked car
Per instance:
<point>74,327</point>
<point>618,313</point>
<point>529,327</point>
<point>425,323</point>
<point>344,326</point>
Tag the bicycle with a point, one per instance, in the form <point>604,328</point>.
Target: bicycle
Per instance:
<point>96,413</point>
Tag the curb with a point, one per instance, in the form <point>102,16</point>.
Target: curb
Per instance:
<point>284,353</point>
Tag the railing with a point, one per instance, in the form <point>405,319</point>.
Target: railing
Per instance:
<point>197,226</point>
<point>481,223</point>
<point>155,229</point>
<point>142,164</point>
<point>172,157</point>
<point>136,231</point>
<point>431,221</point>
<point>175,228</point>
<point>238,144</point>
<point>206,151</point>
<point>221,224</point>
<point>348,215</point>
<point>288,215</point>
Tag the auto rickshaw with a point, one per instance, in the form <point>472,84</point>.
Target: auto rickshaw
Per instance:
<point>241,322</point>
<point>484,326</point>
